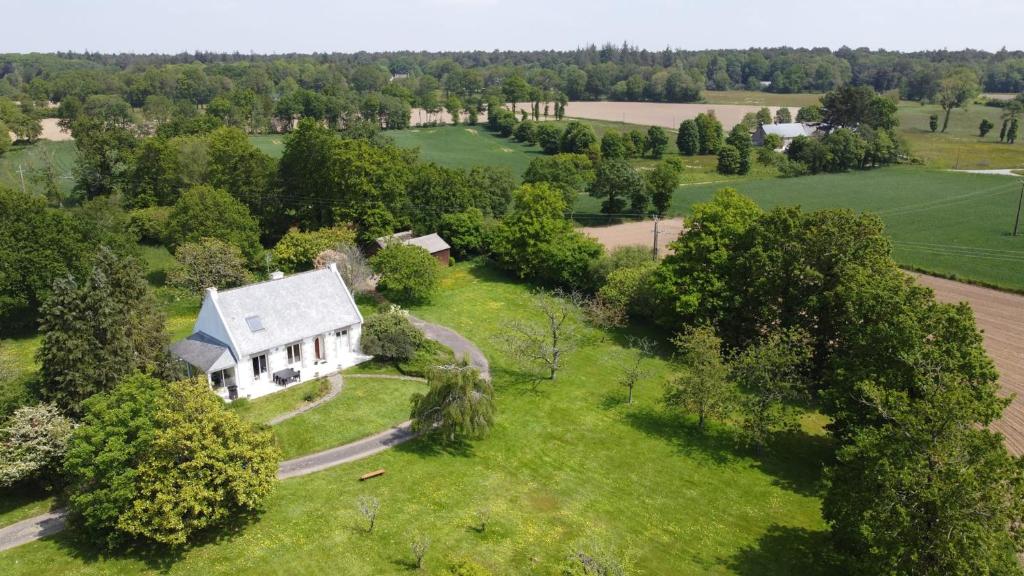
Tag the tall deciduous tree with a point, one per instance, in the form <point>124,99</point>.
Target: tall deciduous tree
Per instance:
<point>618,182</point>
<point>656,142</point>
<point>97,330</point>
<point>208,262</point>
<point>407,273</point>
<point>207,212</point>
<point>662,183</point>
<point>956,91</point>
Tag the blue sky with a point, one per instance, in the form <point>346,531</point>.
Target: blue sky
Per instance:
<point>265,26</point>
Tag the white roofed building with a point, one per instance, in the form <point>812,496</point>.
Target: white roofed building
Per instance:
<point>254,340</point>
<point>786,131</point>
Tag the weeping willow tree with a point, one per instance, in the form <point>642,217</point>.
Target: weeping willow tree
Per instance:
<point>458,406</point>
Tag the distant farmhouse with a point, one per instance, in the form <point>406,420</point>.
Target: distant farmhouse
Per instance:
<point>786,131</point>
<point>254,340</point>
<point>432,243</point>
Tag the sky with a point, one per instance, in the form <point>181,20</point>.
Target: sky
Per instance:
<point>279,26</point>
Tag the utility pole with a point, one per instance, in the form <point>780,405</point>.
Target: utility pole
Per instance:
<point>1016,221</point>
<point>21,172</point>
<point>655,251</point>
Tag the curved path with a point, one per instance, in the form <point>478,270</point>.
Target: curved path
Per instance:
<point>52,522</point>
<point>336,385</point>
<point>463,348</point>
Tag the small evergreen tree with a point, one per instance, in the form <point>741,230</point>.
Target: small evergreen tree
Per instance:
<point>933,122</point>
<point>985,127</point>
<point>1011,133</point>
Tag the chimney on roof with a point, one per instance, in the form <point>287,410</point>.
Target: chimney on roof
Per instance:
<point>212,292</point>
<point>276,275</point>
<point>333,266</point>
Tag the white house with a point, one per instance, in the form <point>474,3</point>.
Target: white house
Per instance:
<point>787,131</point>
<point>255,340</point>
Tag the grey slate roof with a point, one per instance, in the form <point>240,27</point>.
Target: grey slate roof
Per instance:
<point>431,242</point>
<point>204,352</point>
<point>289,309</point>
<point>788,130</point>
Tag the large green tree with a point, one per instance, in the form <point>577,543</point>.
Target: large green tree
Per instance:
<point>159,462</point>
<point>208,212</point>
<point>38,245</point>
<point>97,329</point>
<point>618,182</point>
<point>956,91</point>
<point>407,273</point>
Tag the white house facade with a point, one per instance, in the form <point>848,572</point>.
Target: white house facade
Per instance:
<point>257,339</point>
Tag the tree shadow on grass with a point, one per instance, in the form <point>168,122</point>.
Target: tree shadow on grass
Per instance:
<point>519,381</point>
<point>785,551</point>
<point>155,557</point>
<point>797,461</point>
<point>714,442</point>
<point>430,446</point>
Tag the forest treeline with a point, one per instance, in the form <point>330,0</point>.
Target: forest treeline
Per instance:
<point>251,81</point>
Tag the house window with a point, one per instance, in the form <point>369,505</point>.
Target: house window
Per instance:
<point>318,348</point>
<point>259,366</point>
<point>294,353</point>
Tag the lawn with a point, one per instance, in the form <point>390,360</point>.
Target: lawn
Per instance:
<point>33,159</point>
<point>956,225</point>
<point>364,407</point>
<point>261,410</point>
<point>567,462</point>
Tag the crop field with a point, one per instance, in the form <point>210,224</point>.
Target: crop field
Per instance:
<point>949,224</point>
<point>757,98</point>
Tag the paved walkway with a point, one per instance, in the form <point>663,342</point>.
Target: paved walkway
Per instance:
<point>336,384</point>
<point>52,522</point>
<point>31,529</point>
<point>993,171</point>
<point>463,348</point>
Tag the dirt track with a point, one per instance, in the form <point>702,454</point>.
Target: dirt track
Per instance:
<point>634,233</point>
<point>1000,316</point>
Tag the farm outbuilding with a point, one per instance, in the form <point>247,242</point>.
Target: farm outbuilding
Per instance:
<point>786,131</point>
<point>432,243</point>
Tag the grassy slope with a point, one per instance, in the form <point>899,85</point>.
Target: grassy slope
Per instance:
<point>942,222</point>
<point>567,460</point>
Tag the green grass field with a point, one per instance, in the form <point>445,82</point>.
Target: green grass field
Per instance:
<point>34,158</point>
<point>955,225</point>
<point>960,146</point>
<point>568,461</point>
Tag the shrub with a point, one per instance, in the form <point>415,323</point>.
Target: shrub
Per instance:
<point>429,354</point>
<point>150,224</point>
<point>526,132</point>
<point>32,443</point>
<point>549,138</point>
<point>390,336</point>
<point>297,251</point>
<point>407,273</point>
<point>773,142</point>
<point>577,138</point>
<point>933,122</point>
<point>160,462</point>
<point>728,159</point>
<point>630,289</point>
<point>985,127</point>
<point>209,262</point>
<point>467,568</point>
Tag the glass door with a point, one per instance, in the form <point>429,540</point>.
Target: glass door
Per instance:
<point>259,366</point>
